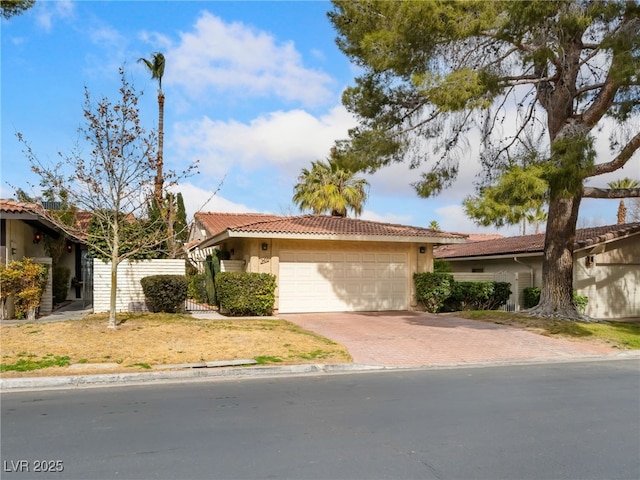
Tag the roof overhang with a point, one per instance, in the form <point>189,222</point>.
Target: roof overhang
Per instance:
<point>501,256</point>
<point>34,221</point>
<point>228,234</point>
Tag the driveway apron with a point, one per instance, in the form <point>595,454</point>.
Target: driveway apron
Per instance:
<point>410,339</point>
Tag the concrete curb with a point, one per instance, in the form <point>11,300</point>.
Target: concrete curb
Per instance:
<point>226,373</point>
<point>119,379</point>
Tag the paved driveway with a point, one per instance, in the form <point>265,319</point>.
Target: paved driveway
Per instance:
<point>405,339</point>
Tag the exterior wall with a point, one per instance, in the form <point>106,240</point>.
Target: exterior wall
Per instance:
<point>609,276</point>
<point>129,297</point>
<point>531,264</point>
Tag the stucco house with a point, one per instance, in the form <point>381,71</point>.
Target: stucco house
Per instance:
<point>606,265</point>
<point>23,227</point>
<point>324,263</point>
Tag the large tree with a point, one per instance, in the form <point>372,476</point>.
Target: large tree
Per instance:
<point>113,181</point>
<point>434,70</point>
<point>10,8</point>
<point>330,188</point>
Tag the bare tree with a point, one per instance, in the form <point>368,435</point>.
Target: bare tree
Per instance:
<point>114,181</point>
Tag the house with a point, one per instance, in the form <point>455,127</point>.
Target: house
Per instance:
<point>23,228</point>
<point>606,265</point>
<point>324,263</point>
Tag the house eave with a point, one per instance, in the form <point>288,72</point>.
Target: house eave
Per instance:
<point>221,237</point>
<point>490,257</point>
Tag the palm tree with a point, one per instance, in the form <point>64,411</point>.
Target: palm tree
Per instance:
<point>329,188</point>
<point>156,67</point>
<point>623,183</point>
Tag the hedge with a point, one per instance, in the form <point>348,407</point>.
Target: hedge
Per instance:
<point>440,292</point>
<point>243,293</point>
<point>432,289</point>
<point>477,296</point>
<point>165,293</point>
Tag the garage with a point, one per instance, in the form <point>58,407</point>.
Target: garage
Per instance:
<point>332,281</point>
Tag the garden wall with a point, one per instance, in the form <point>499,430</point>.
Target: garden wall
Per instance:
<point>130,297</point>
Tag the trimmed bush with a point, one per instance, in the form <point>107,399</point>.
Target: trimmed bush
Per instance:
<point>432,289</point>
<point>477,296</point>
<point>60,283</point>
<point>165,293</point>
<point>242,293</point>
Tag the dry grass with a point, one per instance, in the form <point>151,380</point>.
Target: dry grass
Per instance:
<point>159,339</point>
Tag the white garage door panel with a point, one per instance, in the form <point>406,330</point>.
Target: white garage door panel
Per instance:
<point>321,281</point>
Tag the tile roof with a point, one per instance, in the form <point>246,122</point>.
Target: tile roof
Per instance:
<point>11,206</point>
<point>35,210</point>
<point>585,237</point>
<point>314,225</point>
<point>214,222</point>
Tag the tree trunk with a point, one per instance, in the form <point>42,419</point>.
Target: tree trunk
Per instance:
<point>622,213</point>
<point>159,180</point>
<point>112,298</point>
<point>556,297</point>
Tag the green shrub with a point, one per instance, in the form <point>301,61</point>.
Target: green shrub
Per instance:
<point>165,293</point>
<point>211,269</point>
<point>242,293</point>
<point>532,298</point>
<point>196,288</point>
<point>432,289</point>
<point>441,266</point>
<point>477,296</point>
<point>60,283</point>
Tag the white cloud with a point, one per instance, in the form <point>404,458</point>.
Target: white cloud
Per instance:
<point>238,59</point>
<point>196,198</point>
<point>386,217</point>
<point>48,12</point>
<point>288,140</point>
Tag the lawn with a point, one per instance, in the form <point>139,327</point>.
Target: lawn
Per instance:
<point>146,340</point>
<point>622,335</point>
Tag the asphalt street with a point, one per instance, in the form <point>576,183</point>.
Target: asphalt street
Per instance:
<point>551,421</point>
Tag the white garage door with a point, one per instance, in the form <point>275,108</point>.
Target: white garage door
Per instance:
<point>329,281</point>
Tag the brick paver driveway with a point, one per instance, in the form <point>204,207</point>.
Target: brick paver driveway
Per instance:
<point>405,339</point>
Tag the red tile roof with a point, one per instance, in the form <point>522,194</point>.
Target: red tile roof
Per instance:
<point>314,225</point>
<point>11,206</point>
<point>214,222</point>
<point>585,237</point>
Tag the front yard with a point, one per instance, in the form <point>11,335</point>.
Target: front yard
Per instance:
<point>146,340</point>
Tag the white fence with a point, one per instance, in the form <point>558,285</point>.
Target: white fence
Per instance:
<point>518,280</point>
<point>129,294</point>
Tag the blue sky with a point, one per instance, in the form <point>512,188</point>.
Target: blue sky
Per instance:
<point>252,91</point>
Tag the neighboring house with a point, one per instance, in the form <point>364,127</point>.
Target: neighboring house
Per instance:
<point>22,232</point>
<point>606,265</point>
<point>323,263</point>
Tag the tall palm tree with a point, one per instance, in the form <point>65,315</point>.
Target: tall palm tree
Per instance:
<point>156,67</point>
<point>329,188</point>
<point>623,183</point>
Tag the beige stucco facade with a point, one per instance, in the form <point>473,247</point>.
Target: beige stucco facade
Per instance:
<point>263,255</point>
<point>608,274</point>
